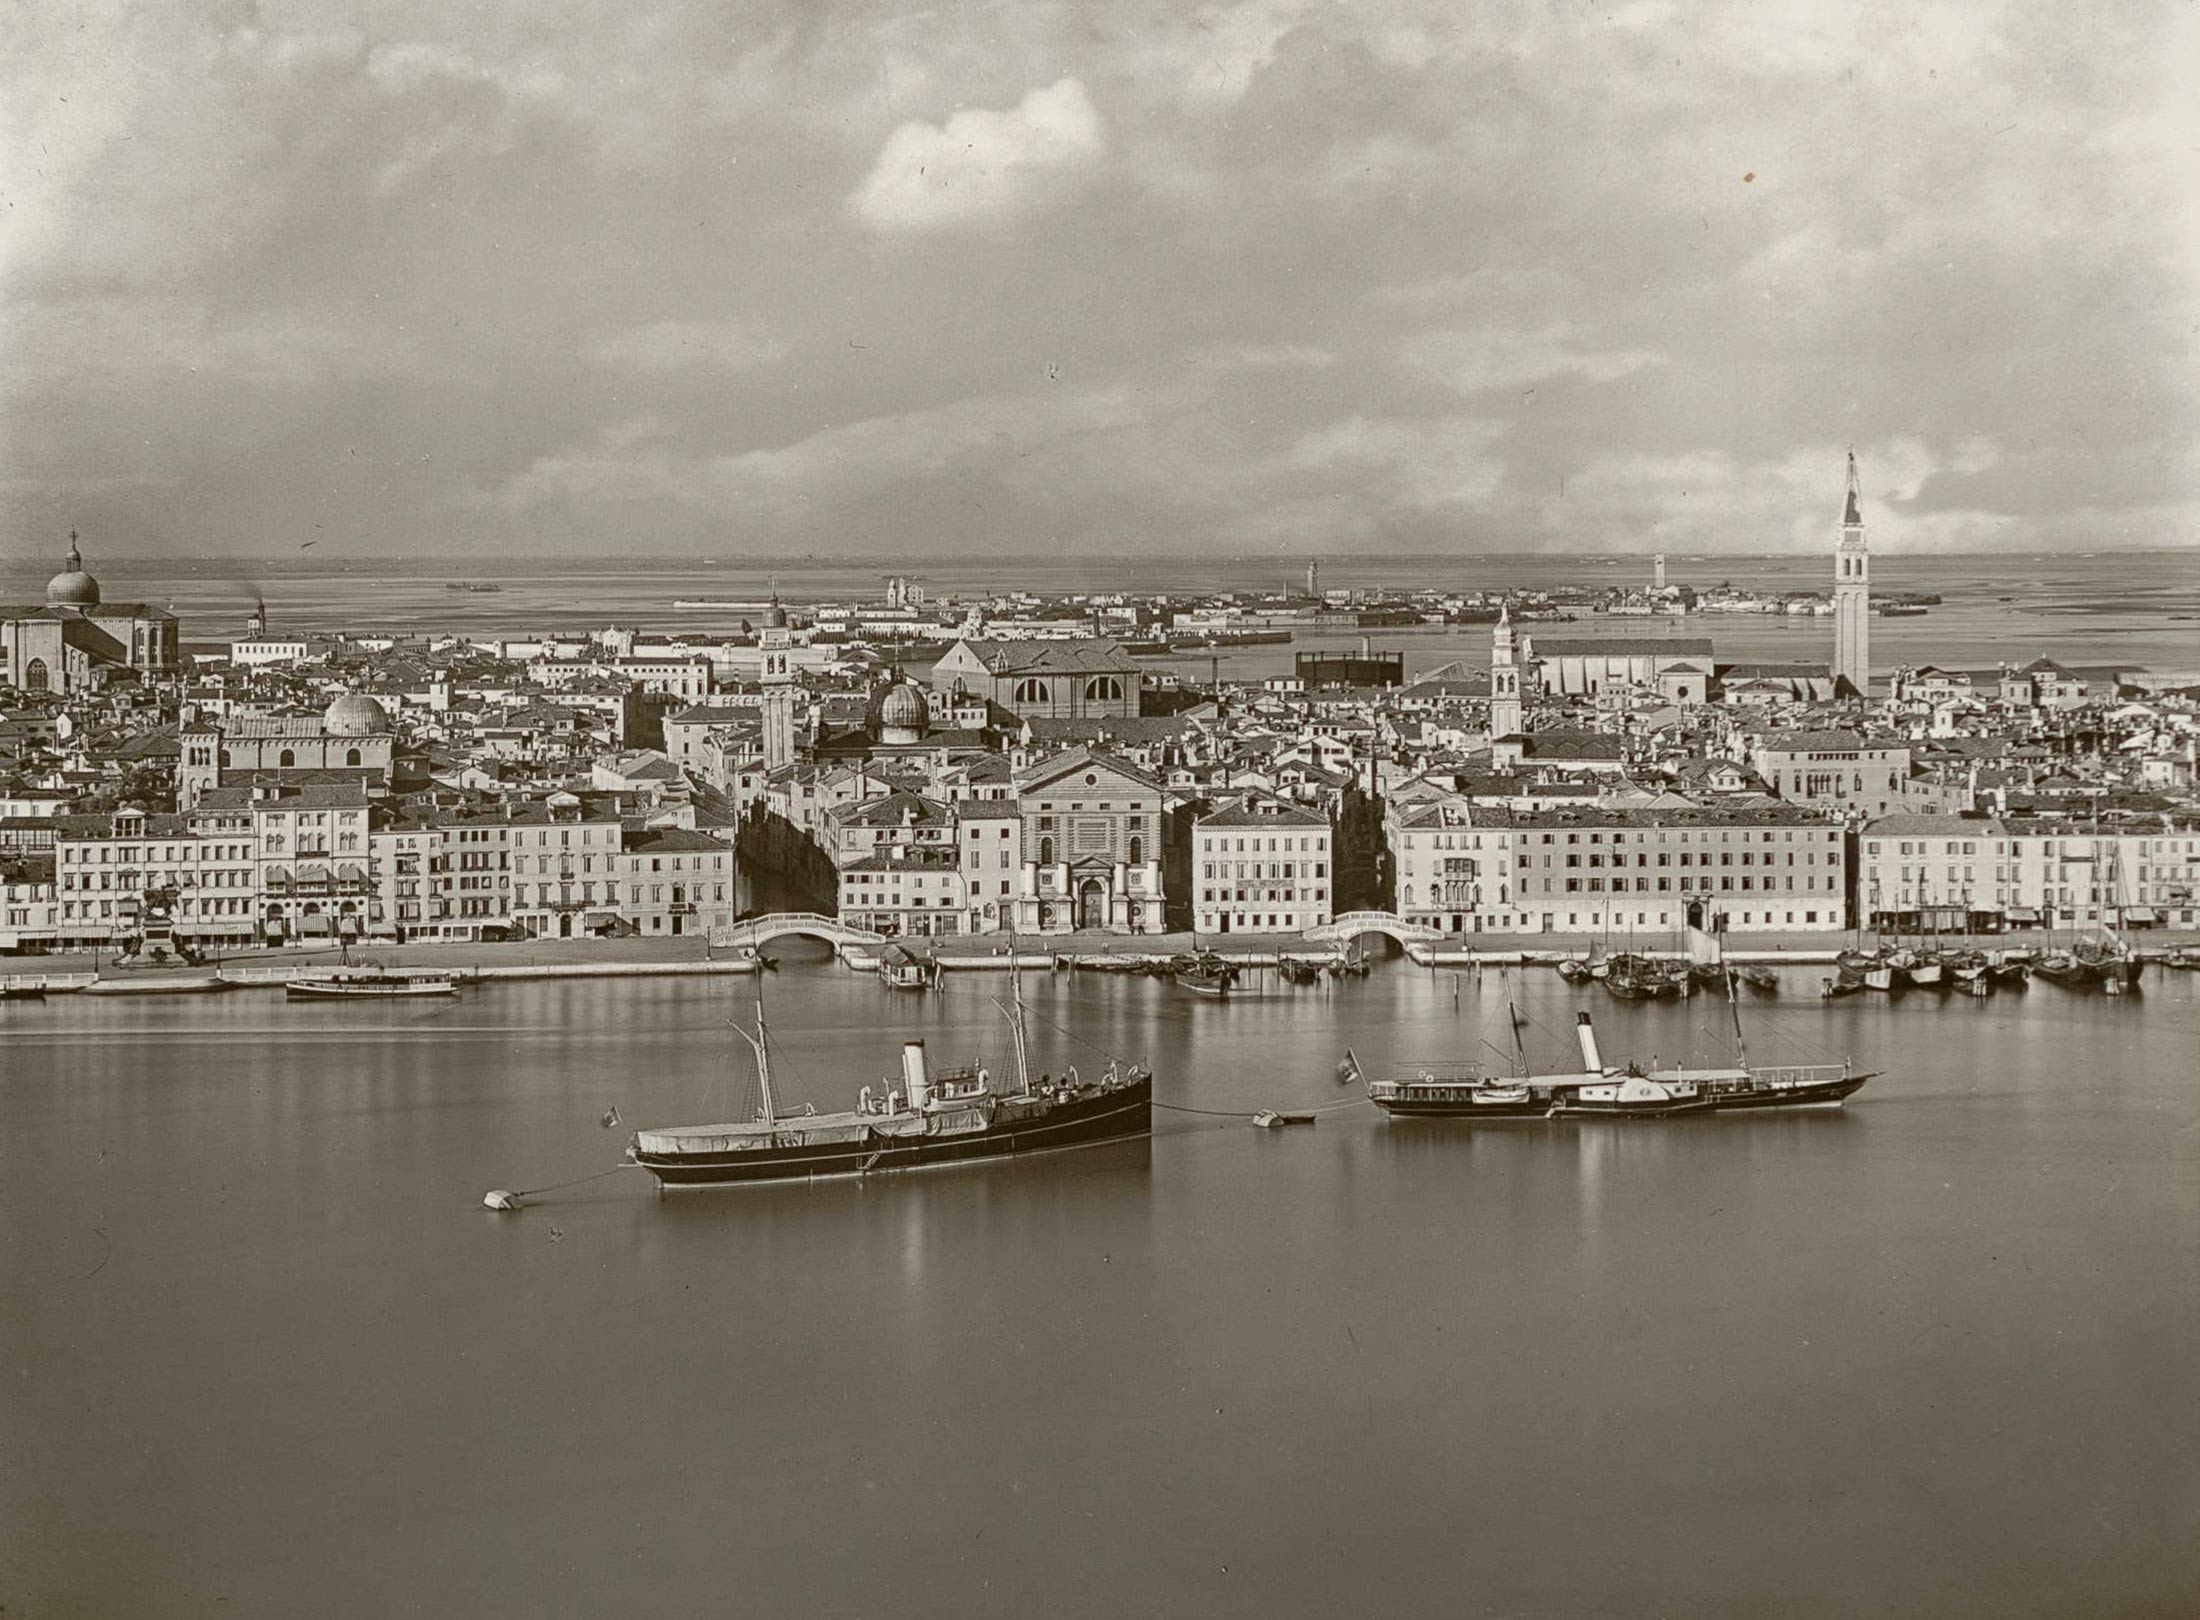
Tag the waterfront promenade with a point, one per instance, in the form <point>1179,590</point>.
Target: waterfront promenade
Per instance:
<point>564,958</point>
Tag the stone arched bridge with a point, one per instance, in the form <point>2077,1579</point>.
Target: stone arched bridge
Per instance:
<point>1350,926</point>
<point>756,932</point>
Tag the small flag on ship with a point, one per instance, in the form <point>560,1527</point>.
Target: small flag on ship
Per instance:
<point>1348,1068</point>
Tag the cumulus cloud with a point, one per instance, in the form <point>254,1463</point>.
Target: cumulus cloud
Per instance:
<point>981,163</point>
<point>272,260</point>
<point>1712,499</point>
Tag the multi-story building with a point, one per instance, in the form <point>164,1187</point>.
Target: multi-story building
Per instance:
<point>30,904</point>
<point>1453,862</point>
<point>1262,865</point>
<point>2041,684</point>
<point>1651,871</point>
<point>1990,872</point>
<point>899,864</point>
<point>992,855</point>
<point>1835,770</point>
<point>311,851</point>
<point>566,872</point>
<point>676,882</point>
<point>904,889</point>
<point>200,870</point>
<point>674,675</point>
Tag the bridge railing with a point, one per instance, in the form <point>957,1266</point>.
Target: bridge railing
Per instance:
<point>753,929</point>
<point>1373,922</point>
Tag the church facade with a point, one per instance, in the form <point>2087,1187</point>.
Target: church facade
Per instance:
<point>76,642</point>
<point>1091,846</point>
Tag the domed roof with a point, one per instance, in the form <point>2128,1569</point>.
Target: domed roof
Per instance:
<point>905,709</point>
<point>775,616</point>
<point>72,587</point>
<point>355,715</point>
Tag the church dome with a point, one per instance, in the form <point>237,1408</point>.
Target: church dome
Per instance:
<point>72,587</point>
<point>905,709</point>
<point>355,715</point>
<point>775,616</point>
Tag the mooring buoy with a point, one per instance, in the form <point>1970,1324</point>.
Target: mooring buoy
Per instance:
<point>498,1199</point>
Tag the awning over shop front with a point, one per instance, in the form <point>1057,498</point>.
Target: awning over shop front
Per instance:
<point>315,925</point>
<point>2139,914</point>
<point>351,872</point>
<point>2023,914</point>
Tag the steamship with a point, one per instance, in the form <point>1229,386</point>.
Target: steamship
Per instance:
<point>927,1118</point>
<point>1601,1091</point>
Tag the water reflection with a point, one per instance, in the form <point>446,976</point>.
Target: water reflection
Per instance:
<point>1774,1354</point>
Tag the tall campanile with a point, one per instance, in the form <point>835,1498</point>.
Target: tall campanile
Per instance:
<point>1852,607</point>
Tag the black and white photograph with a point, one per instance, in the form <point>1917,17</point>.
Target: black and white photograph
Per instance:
<point>859,810</point>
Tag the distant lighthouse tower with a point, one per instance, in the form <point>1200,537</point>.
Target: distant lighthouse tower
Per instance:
<point>1852,596</point>
<point>1314,580</point>
<point>1657,572</point>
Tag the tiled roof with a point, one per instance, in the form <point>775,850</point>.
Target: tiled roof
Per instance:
<point>1050,657</point>
<point>1622,646</point>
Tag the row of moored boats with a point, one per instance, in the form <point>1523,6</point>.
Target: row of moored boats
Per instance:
<point>2105,965</point>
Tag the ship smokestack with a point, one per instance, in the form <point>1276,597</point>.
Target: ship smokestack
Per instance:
<point>1592,1061</point>
<point>914,1079</point>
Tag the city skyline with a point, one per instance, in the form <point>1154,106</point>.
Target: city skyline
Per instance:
<point>1262,279</point>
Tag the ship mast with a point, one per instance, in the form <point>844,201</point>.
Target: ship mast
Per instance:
<point>1015,1012</point>
<point>760,1044</point>
<point>1512,1017</point>
<point>1733,1005</point>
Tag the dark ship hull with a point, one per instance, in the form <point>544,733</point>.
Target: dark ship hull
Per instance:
<point>1825,1094</point>
<point>1019,1127</point>
<point>1566,1102</point>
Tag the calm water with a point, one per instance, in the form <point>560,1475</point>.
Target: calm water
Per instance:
<point>268,1356</point>
<point>2114,609</point>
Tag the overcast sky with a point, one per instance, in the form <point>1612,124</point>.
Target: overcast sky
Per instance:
<point>736,280</point>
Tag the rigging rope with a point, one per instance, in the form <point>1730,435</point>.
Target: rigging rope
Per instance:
<point>557,1186</point>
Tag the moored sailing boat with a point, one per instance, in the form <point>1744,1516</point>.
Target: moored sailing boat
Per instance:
<point>925,1120</point>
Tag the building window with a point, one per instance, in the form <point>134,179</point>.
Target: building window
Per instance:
<point>1029,691</point>
<point>286,759</point>
<point>34,675</point>
<point>1104,689</point>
